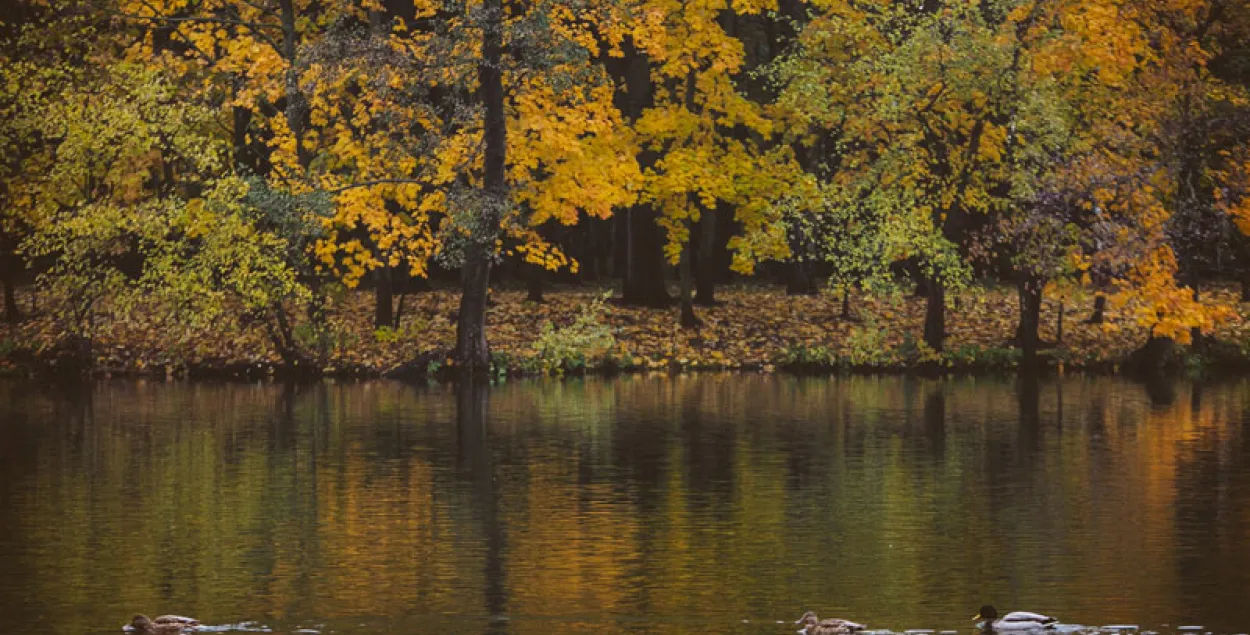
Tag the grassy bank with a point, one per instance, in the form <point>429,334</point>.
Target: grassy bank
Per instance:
<point>753,328</point>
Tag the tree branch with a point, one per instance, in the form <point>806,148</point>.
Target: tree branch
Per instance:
<point>355,186</point>
<point>256,26</point>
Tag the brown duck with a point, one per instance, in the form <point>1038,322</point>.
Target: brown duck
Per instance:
<point>162,625</point>
<point>813,625</point>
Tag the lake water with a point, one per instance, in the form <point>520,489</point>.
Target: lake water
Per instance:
<point>695,504</point>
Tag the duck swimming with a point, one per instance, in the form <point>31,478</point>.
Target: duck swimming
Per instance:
<point>162,625</point>
<point>1014,621</point>
<point>813,625</point>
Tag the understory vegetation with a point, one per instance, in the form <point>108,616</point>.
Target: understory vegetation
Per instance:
<point>575,331</point>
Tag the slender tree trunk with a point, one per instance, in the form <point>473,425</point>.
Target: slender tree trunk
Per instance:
<point>935,315</point>
<point>534,283</point>
<point>800,280</point>
<point>1059,323</point>
<point>384,297</point>
<point>1030,294</point>
<point>846,302</point>
<point>319,320</point>
<point>241,120</point>
<point>688,318</point>
<point>12,313</point>
<point>618,232</point>
<point>705,276</point>
<point>282,336</point>
<point>1196,341</point>
<point>295,110</point>
<point>1100,309</point>
<point>643,245</point>
<point>399,311</point>
<point>472,351</point>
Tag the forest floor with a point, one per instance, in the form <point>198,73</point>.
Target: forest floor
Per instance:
<point>752,328</point>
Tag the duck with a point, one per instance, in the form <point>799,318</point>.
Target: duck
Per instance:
<point>1014,621</point>
<point>161,625</point>
<point>813,625</point>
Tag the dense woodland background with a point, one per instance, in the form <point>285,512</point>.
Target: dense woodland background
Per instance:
<point>237,166</point>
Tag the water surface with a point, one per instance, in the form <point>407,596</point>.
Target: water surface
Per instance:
<point>704,504</point>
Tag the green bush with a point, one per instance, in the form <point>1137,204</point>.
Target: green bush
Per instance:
<point>412,330</point>
<point>803,355</point>
<point>992,358</point>
<point>578,346</point>
<point>866,345</point>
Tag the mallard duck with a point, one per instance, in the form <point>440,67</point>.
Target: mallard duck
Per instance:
<point>1014,621</point>
<point>162,625</point>
<point>813,625</point>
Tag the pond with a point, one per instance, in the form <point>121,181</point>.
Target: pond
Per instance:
<point>690,504</point>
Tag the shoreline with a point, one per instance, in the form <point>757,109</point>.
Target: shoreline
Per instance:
<point>575,332</point>
<point>1185,364</point>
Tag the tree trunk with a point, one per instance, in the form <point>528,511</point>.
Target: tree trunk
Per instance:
<point>618,230</point>
<point>911,268</point>
<point>1059,323</point>
<point>846,302</point>
<point>688,318</point>
<point>1100,309</point>
<point>643,245</point>
<point>935,315</point>
<point>318,319</point>
<point>240,147</point>
<point>800,280</point>
<point>12,314</point>
<point>295,110</point>
<point>921,290</point>
<point>283,337</point>
<point>1030,294</point>
<point>1156,357</point>
<point>705,275</point>
<point>644,267</point>
<point>399,312</point>
<point>1245,285</point>
<point>472,351</point>
<point>1196,341</point>
<point>384,297</point>
<point>534,283</point>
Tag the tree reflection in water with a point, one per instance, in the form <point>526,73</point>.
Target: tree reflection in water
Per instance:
<point>658,505</point>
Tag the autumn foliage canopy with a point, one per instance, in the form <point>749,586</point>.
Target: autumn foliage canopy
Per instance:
<point>239,160</point>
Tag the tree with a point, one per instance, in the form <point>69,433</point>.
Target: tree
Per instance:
<point>707,138</point>
<point>142,215</point>
<point>407,121</point>
<point>35,63</point>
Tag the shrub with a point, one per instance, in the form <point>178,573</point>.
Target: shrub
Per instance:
<point>579,345</point>
<point>801,355</point>
<point>866,345</point>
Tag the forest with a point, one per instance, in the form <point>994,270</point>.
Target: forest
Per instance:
<point>550,186</point>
